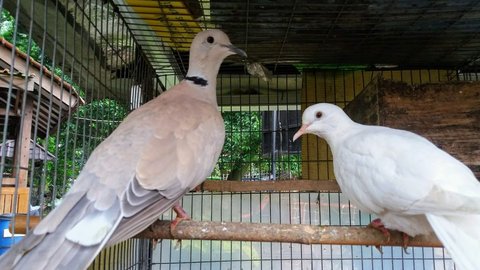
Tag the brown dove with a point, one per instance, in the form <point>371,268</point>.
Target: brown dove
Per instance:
<point>158,153</point>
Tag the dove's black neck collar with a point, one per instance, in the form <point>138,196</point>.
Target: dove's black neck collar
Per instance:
<point>197,80</point>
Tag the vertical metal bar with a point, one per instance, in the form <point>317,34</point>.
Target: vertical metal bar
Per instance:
<point>32,161</point>
<point>274,144</point>
<point>18,142</point>
<point>54,67</point>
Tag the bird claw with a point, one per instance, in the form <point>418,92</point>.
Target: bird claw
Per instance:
<point>181,216</point>
<point>154,243</point>
<point>378,225</point>
<point>178,244</point>
<point>379,248</point>
<point>406,241</point>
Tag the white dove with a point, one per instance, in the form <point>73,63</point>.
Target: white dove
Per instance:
<point>158,153</point>
<point>409,183</point>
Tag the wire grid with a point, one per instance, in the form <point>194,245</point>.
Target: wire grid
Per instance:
<point>284,208</point>
<point>315,163</point>
<point>89,48</point>
<point>130,254</point>
<point>102,60</point>
<point>409,34</point>
<point>249,106</point>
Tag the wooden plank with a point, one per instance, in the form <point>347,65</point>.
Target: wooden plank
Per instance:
<point>270,186</point>
<point>7,198</point>
<point>16,82</point>
<point>8,181</point>
<point>11,112</point>
<point>284,233</point>
<point>41,76</point>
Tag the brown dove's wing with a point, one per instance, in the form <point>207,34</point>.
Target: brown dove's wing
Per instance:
<point>51,238</point>
<point>173,162</point>
<point>159,152</point>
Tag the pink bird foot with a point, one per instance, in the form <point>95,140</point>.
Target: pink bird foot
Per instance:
<point>181,216</point>
<point>378,225</point>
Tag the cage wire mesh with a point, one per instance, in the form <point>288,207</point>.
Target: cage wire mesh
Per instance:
<point>72,70</point>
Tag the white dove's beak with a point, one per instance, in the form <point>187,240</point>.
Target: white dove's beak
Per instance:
<point>236,50</point>
<point>301,131</point>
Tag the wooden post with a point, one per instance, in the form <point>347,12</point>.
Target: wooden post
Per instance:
<point>22,143</point>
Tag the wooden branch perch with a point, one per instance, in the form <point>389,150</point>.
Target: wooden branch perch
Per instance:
<point>291,233</point>
<point>263,232</point>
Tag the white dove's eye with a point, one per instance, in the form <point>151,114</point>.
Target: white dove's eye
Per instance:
<point>318,115</point>
<point>210,39</point>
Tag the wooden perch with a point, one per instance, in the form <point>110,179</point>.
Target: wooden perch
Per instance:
<point>290,233</point>
<point>264,232</point>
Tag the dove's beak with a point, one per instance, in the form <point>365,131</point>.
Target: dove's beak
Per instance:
<point>300,132</point>
<point>236,50</point>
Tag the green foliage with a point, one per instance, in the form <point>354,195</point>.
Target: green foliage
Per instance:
<point>28,46</point>
<point>22,41</point>
<point>242,143</point>
<point>287,166</point>
<point>242,153</point>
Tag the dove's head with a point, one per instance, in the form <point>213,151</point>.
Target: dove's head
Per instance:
<point>207,52</point>
<point>325,120</point>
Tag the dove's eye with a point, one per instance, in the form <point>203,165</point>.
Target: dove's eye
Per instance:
<point>210,39</point>
<point>318,115</point>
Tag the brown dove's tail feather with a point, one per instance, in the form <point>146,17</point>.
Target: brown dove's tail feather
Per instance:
<point>129,227</point>
<point>460,235</point>
<point>51,249</point>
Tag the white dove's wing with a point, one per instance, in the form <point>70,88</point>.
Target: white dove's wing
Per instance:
<point>403,172</point>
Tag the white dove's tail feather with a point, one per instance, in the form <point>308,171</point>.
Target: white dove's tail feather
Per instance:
<point>50,248</point>
<point>460,235</point>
